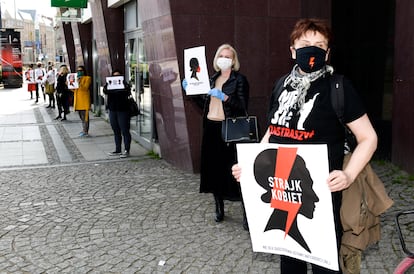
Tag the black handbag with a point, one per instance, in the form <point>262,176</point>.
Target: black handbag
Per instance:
<point>241,129</point>
<point>133,109</point>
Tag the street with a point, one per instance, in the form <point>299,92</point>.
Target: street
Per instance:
<point>67,207</point>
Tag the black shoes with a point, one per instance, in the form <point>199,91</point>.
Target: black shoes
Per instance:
<point>219,216</point>
<point>220,212</point>
<point>60,118</point>
<point>219,208</point>
<point>114,153</point>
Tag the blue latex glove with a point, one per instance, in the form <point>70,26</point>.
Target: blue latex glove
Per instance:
<point>184,84</point>
<point>216,93</point>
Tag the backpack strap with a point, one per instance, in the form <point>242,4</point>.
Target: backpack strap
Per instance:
<point>279,85</point>
<point>337,95</point>
<point>337,100</point>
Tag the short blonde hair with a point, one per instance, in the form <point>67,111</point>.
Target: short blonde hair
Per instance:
<point>236,63</point>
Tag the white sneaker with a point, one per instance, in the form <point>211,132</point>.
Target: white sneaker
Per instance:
<point>125,154</point>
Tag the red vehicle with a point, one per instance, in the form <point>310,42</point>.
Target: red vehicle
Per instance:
<point>11,58</point>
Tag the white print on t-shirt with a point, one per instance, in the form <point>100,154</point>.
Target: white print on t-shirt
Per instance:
<point>283,114</point>
<point>305,110</point>
<point>287,110</point>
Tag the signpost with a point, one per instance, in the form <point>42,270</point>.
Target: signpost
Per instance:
<point>70,3</point>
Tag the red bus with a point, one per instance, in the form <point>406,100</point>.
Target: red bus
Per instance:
<point>11,58</point>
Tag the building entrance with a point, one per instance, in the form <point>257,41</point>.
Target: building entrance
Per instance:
<point>137,71</point>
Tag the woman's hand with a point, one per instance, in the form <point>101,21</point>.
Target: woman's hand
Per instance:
<point>184,84</point>
<point>236,172</point>
<point>338,180</point>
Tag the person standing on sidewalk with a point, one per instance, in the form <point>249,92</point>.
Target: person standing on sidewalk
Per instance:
<point>62,93</point>
<point>31,83</point>
<point>119,117</point>
<point>49,82</point>
<point>228,97</point>
<point>82,99</point>
<point>39,73</point>
<point>305,105</point>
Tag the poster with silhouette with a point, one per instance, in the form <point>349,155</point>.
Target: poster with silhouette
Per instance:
<point>72,81</point>
<point>29,76</point>
<point>115,82</point>
<point>195,69</point>
<point>287,200</point>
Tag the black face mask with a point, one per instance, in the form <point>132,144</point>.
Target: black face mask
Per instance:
<point>310,59</point>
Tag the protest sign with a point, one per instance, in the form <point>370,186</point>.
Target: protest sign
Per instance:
<point>72,81</point>
<point>115,82</point>
<point>288,203</point>
<point>195,69</point>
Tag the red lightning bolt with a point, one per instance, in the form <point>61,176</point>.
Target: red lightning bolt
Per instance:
<point>284,162</point>
<point>312,62</point>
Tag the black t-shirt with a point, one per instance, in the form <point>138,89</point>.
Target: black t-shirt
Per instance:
<point>118,98</point>
<point>316,122</point>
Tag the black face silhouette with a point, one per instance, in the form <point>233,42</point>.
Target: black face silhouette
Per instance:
<point>292,195</point>
<point>194,67</point>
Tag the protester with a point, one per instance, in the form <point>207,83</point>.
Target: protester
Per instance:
<point>62,93</point>
<point>119,117</point>
<point>31,84</point>
<point>228,97</point>
<point>49,83</point>
<point>310,111</point>
<point>82,99</point>
<point>39,73</point>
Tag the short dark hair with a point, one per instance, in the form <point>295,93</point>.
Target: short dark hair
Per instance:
<point>83,68</point>
<point>311,24</point>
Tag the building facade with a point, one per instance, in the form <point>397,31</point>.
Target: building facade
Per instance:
<point>146,39</point>
<point>36,32</point>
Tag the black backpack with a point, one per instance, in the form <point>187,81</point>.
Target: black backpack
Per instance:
<point>337,100</point>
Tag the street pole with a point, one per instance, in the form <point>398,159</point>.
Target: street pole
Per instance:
<point>0,17</point>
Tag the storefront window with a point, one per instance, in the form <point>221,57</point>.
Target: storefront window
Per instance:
<point>139,79</point>
<point>131,18</point>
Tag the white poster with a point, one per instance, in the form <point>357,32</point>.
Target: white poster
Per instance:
<point>72,80</point>
<point>29,77</point>
<point>288,203</point>
<point>115,82</point>
<point>195,68</point>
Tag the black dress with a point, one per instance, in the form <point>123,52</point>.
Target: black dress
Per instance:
<point>217,157</point>
<point>62,94</point>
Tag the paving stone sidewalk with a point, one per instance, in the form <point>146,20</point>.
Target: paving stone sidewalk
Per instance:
<point>95,214</point>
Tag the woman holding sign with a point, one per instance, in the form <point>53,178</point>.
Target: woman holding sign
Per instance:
<point>119,117</point>
<point>82,99</point>
<point>301,103</point>
<point>228,97</point>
